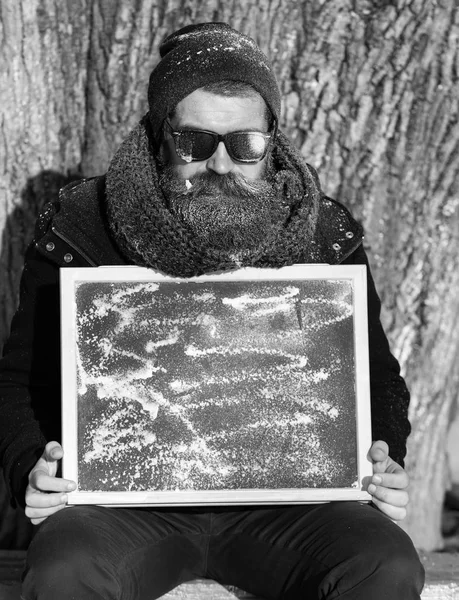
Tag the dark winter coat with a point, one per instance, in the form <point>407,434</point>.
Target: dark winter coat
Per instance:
<point>73,232</point>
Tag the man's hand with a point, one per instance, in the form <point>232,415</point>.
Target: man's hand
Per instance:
<point>388,484</point>
<point>46,493</point>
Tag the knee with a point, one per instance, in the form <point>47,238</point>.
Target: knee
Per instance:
<point>374,554</point>
<point>399,569</point>
<point>390,551</point>
<point>52,577</point>
<point>63,556</point>
<point>391,565</point>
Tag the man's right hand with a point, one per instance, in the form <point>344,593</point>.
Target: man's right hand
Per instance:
<point>46,493</point>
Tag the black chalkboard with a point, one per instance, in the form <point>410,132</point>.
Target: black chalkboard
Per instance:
<point>215,385</point>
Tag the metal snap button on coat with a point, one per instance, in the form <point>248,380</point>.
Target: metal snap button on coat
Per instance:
<point>349,234</point>
<point>336,247</point>
<point>68,257</point>
<point>50,246</point>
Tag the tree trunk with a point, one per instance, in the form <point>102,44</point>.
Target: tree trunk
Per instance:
<point>370,96</point>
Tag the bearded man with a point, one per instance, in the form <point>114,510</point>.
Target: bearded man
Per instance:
<point>206,182</point>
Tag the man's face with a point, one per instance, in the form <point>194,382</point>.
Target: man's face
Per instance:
<point>227,204</point>
<point>220,114</point>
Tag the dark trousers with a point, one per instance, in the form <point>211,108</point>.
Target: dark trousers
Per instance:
<point>338,550</point>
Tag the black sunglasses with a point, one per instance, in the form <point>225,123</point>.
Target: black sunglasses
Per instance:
<point>242,146</point>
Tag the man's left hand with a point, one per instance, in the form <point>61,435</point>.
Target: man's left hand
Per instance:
<point>388,484</point>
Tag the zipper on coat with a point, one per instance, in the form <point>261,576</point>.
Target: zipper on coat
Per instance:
<point>74,248</point>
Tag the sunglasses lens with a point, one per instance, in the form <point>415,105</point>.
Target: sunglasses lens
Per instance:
<point>247,146</point>
<point>195,145</point>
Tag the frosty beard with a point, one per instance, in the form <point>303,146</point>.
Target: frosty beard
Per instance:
<point>228,212</point>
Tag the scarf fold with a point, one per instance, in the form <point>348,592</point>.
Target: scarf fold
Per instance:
<point>149,235</point>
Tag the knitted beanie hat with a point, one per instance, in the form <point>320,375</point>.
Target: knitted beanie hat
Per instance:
<point>197,55</point>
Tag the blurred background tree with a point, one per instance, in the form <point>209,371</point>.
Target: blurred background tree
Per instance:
<point>371,97</point>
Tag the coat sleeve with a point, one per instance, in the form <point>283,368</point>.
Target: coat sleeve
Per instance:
<point>389,394</point>
<point>30,374</point>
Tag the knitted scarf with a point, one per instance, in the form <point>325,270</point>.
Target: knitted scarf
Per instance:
<point>149,235</point>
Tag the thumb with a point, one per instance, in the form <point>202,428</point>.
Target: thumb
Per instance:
<point>53,452</point>
<point>379,451</point>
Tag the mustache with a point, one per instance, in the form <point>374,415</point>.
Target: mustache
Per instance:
<point>212,184</point>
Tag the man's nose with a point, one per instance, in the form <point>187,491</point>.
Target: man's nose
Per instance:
<point>220,161</point>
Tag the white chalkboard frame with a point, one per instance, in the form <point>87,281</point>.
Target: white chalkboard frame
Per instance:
<point>69,277</point>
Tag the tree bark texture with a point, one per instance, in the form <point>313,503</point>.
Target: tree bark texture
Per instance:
<point>371,98</point>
